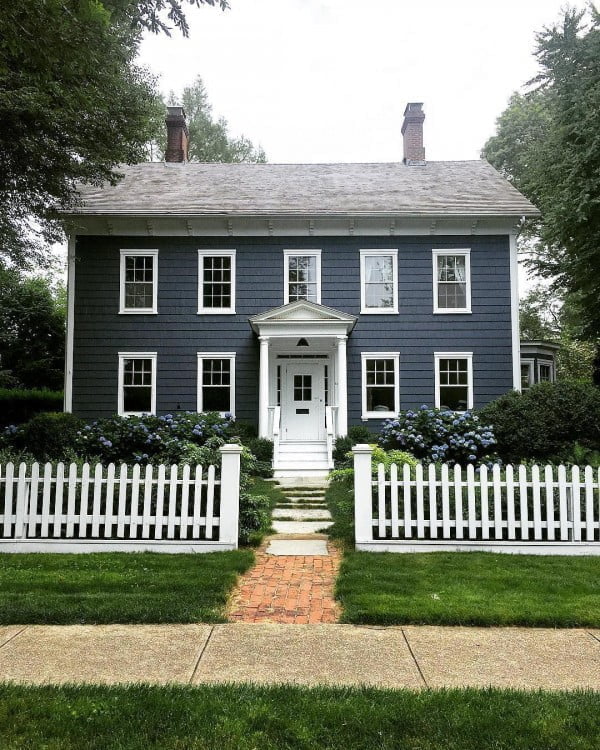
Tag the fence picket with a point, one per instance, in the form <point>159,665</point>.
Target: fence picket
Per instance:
<point>210,502</point>
<point>523,509</point>
<point>549,485</point>
<point>46,490</point>
<point>563,511</point>
<point>185,494</point>
<point>83,503</point>
<point>58,503</point>
<point>433,520</point>
<point>576,500</point>
<point>420,506</point>
<point>485,511</point>
<point>72,491</point>
<point>31,517</point>
<point>472,517</point>
<point>589,504</point>
<point>134,515</point>
<point>394,500</point>
<point>172,503</point>
<point>407,501</point>
<point>498,520</point>
<point>458,501</point>
<point>537,501</point>
<point>122,507</point>
<point>446,522</point>
<point>381,501</point>
<point>98,477</point>
<point>510,502</point>
<point>8,498</point>
<point>197,511</point>
<point>22,499</point>
<point>110,499</point>
<point>147,509</point>
<point>159,519</point>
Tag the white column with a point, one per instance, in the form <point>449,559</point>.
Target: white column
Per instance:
<point>230,495</point>
<point>68,399</point>
<point>363,494</point>
<point>263,388</point>
<point>342,388</point>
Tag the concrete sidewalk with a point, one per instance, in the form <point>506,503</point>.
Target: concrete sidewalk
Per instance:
<point>394,657</point>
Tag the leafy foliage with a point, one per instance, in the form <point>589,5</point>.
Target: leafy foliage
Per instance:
<point>547,144</point>
<point>18,406</point>
<point>545,421</point>
<point>440,435</point>
<point>32,332</point>
<point>47,437</point>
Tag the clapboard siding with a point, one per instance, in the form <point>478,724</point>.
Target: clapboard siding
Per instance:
<point>177,332</point>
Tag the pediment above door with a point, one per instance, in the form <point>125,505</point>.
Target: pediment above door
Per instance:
<point>303,317</point>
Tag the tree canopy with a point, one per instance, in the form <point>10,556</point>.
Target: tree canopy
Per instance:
<point>73,105</point>
<point>548,145</point>
<point>209,137</point>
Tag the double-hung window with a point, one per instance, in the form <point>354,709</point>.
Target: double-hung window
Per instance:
<point>138,282</point>
<point>380,384</point>
<point>451,281</point>
<point>527,379</point>
<point>137,383</point>
<point>545,372</point>
<point>216,382</point>
<point>302,275</point>
<point>216,281</point>
<point>378,281</point>
<point>454,380</point>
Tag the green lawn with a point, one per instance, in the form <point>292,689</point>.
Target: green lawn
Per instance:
<point>278,718</point>
<point>461,588</point>
<point>118,587</point>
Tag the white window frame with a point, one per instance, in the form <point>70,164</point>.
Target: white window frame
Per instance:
<point>542,363</point>
<point>287,254</point>
<point>367,253</point>
<point>530,364</point>
<point>466,252</point>
<point>454,355</point>
<point>365,357</point>
<point>217,355</point>
<point>138,310</point>
<point>210,253</point>
<point>135,355</point>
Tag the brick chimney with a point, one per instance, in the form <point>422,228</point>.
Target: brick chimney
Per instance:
<point>177,135</point>
<point>412,132</point>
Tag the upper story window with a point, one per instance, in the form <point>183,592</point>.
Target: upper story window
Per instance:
<point>380,384</point>
<point>454,380</point>
<point>451,281</point>
<point>138,281</point>
<point>216,287</point>
<point>216,382</point>
<point>137,383</point>
<point>379,281</point>
<point>302,275</point>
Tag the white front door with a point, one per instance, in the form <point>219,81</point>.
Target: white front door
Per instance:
<point>303,401</point>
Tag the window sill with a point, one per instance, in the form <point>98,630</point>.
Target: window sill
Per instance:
<point>216,311</point>
<point>378,415</point>
<point>137,414</point>
<point>140,311</point>
<point>379,311</point>
<point>452,312</point>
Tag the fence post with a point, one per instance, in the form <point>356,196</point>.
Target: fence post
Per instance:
<point>363,494</point>
<point>230,494</point>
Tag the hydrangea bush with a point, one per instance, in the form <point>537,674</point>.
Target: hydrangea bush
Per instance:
<point>150,439</point>
<point>440,436</point>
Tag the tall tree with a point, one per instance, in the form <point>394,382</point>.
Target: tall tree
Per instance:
<point>73,105</point>
<point>209,137</point>
<point>547,143</point>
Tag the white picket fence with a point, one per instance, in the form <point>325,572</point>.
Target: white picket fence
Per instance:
<point>58,508</point>
<point>535,510</point>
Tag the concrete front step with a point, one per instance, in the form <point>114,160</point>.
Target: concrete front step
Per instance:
<point>300,527</point>
<point>302,514</point>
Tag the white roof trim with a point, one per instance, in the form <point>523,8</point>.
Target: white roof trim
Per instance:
<point>302,318</point>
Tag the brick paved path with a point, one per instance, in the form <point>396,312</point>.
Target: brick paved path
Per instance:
<point>288,589</point>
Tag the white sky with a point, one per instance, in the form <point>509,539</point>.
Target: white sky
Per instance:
<point>327,80</point>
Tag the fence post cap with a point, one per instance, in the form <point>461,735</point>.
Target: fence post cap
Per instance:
<point>362,448</point>
<point>231,448</point>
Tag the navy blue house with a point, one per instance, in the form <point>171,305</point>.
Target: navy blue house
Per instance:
<point>303,298</point>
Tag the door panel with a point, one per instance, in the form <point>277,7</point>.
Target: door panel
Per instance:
<point>302,402</point>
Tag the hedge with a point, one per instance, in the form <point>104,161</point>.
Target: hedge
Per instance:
<point>18,406</point>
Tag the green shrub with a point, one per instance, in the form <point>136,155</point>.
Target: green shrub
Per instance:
<point>18,406</point>
<point>440,435</point>
<point>47,437</point>
<point>379,456</point>
<point>341,448</point>
<point>261,447</point>
<point>545,421</point>
<point>358,434</point>
<point>255,516</point>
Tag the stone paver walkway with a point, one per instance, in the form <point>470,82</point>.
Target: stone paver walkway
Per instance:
<point>395,657</point>
<point>288,589</point>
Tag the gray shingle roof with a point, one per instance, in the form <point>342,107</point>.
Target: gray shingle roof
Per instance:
<point>455,188</point>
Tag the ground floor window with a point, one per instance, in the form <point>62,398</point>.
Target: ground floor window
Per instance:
<point>545,373</point>
<point>137,383</point>
<point>526,374</point>
<point>380,384</point>
<point>216,382</point>
<point>454,380</point>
